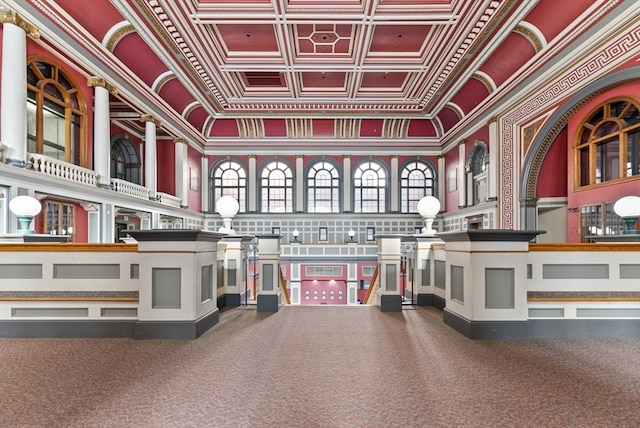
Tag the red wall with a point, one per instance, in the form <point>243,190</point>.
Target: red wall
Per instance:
<point>194,165</point>
<point>553,178</point>
<point>166,166</point>
<point>607,192</point>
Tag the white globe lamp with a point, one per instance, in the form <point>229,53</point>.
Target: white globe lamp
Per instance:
<point>227,207</point>
<point>628,208</point>
<point>428,208</point>
<point>25,208</point>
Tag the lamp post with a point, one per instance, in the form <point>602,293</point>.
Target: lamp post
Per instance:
<point>227,207</point>
<point>428,207</point>
<point>352,233</point>
<point>25,208</point>
<point>406,253</point>
<point>295,234</point>
<point>250,252</point>
<point>628,208</point>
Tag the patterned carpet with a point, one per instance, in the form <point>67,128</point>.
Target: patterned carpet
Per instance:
<point>321,367</point>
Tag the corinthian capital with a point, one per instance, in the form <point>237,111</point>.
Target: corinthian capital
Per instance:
<point>100,81</point>
<point>12,17</point>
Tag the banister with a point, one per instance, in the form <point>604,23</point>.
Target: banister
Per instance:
<point>374,278</point>
<point>283,285</point>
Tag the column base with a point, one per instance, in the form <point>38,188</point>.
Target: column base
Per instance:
<point>268,303</point>
<point>391,303</point>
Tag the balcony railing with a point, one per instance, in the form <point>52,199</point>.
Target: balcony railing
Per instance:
<point>64,170</point>
<point>165,198</point>
<point>130,189</point>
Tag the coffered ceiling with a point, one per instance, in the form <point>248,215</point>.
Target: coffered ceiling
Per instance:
<point>227,71</point>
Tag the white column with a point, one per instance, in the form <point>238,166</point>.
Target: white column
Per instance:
<point>150,156</point>
<point>102,132</point>
<point>204,183</point>
<point>299,183</point>
<point>442,180</point>
<point>346,188</point>
<point>492,182</point>
<point>462,177</point>
<point>181,171</point>
<point>13,102</point>
<point>251,191</point>
<point>394,180</point>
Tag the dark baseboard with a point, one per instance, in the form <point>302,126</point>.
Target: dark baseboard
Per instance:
<point>232,300</point>
<point>548,328</point>
<point>424,299</point>
<point>439,302</point>
<point>66,329</point>
<point>184,330</point>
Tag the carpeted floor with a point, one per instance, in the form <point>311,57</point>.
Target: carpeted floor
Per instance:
<point>321,367</point>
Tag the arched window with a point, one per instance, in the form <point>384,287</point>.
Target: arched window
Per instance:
<point>416,182</point>
<point>478,171</point>
<point>370,188</point>
<point>125,160</point>
<point>56,113</point>
<point>323,188</point>
<point>276,185</point>
<point>230,179</point>
<point>607,145</point>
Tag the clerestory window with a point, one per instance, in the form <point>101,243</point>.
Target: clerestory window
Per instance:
<point>607,145</point>
<point>56,113</point>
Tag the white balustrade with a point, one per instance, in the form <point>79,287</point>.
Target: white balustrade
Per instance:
<point>64,170</point>
<point>167,199</point>
<point>129,188</point>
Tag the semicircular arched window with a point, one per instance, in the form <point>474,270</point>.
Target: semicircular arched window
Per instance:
<point>416,181</point>
<point>230,179</point>
<point>56,113</point>
<point>607,145</point>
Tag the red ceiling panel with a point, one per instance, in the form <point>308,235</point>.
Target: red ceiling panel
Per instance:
<point>448,117</point>
<point>323,127</point>
<point>176,95</point>
<point>553,16</point>
<point>470,95</point>
<point>383,79</point>
<point>275,127</point>
<point>248,37</point>
<point>421,128</point>
<point>198,117</point>
<point>329,79</point>
<point>407,39</point>
<point>134,52</point>
<point>371,127</point>
<point>97,24</point>
<point>224,128</point>
<point>508,58</point>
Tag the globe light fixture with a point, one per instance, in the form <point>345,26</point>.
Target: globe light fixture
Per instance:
<point>352,233</point>
<point>25,208</point>
<point>428,208</point>
<point>295,234</point>
<point>628,208</point>
<point>227,207</point>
